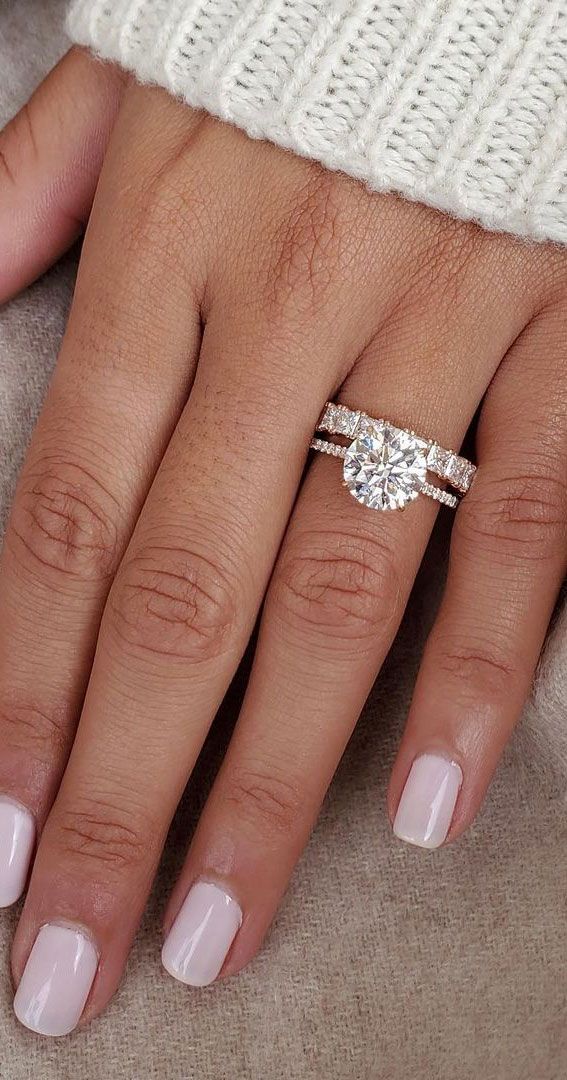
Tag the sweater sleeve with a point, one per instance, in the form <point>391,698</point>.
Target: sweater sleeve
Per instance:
<point>461,104</point>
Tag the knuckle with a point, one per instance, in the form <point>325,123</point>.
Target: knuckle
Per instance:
<point>101,835</point>
<point>548,266</point>
<point>447,252</point>
<point>155,223</point>
<point>64,520</point>
<point>343,587</point>
<point>483,670</point>
<point>523,516</point>
<point>171,212</point>
<point>174,603</point>
<point>311,246</point>
<point>41,733</point>
<point>18,146</point>
<point>264,799</point>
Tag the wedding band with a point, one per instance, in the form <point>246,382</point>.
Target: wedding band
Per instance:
<point>385,467</point>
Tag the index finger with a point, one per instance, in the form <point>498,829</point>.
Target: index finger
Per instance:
<point>51,155</point>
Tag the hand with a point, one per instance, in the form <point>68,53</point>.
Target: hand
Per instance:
<point>226,290</point>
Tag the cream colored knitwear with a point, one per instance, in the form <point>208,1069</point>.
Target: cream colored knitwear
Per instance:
<point>461,104</point>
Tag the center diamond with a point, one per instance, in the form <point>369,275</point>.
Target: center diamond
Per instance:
<point>385,468</point>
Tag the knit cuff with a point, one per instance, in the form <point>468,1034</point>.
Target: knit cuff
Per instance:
<point>461,104</point>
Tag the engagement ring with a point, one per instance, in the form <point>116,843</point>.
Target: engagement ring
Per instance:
<point>386,467</point>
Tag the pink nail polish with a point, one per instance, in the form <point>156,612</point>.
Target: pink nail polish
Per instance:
<point>198,942</point>
<point>17,838</point>
<point>56,981</point>
<point>428,800</point>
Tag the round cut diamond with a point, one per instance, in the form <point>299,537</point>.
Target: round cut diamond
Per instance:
<point>385,468</point>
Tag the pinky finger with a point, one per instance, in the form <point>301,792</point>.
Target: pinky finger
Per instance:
<point>508,559</point>
<point>50,158</point>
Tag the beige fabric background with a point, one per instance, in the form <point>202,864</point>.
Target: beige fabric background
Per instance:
<point>385,963</point>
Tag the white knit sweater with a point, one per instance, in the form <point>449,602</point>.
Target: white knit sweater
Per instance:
<point>461,104</point>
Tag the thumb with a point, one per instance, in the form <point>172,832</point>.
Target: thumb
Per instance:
<point>50,158</point>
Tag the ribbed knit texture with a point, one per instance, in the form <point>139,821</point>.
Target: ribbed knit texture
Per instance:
<point>461,104</point>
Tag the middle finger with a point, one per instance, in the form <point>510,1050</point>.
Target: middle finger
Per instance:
<point>179,615</point>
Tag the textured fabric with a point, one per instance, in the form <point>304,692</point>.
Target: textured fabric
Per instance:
<point>458,103</point>
<point>385,963</point>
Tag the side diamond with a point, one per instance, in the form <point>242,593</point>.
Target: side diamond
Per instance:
<point>327,418</point>
<point>366,425</point>
<point>346,421</point>
<point>338,420</point>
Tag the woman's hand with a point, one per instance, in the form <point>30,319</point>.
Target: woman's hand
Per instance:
<point>227,289</point>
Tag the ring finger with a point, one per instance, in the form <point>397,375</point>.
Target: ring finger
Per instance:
<point>335,602</point>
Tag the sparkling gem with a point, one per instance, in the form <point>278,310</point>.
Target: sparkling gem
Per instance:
<point>385,468</point>
<point>327,420</point>
<point>456,469</point>
<point>345,421</point>
<point>367,424</point>
<point>433,456</point>
<point>444,458</point>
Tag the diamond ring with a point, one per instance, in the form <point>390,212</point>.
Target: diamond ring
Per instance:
<point>386,467</point>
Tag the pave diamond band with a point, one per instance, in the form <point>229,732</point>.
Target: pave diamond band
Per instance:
<point>440,495</point>
<point>385,467</point>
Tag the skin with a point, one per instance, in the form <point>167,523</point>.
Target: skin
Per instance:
<point>226,290</point>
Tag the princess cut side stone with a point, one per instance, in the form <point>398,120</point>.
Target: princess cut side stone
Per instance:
<point>339,420</point>
<point>346,421</point>
<point>366,424</point>
<point>449,466</point>
<point>460,473</point>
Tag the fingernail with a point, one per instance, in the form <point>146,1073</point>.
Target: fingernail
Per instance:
<point>198,942</point>
<point>17,837</point>
<point>428,801</point>
<point>56,982</point>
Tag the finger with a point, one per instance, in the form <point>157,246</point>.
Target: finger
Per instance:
<point>51,154</point>
<point>122,379</point>
<point>179,616</point>
<point>508,559</point>
<point>334,604</point>
<point>185,598</point>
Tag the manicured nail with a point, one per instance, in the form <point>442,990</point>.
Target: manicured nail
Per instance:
<point>56,982</point>
<point>198,942</point>
<point>17,838</point>
<point>428,801</point>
